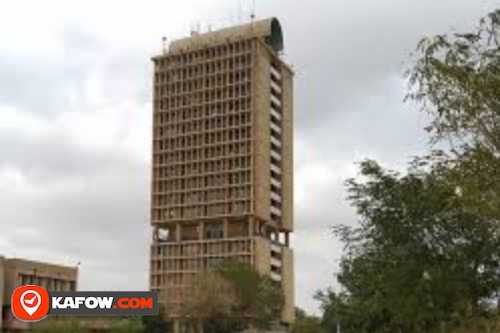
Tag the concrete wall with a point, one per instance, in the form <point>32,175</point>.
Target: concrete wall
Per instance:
<point>288,284</point>
<point>260,112</point>
<point>262,253</point>
<point>38,271</point>
<point>263,266</point>
<point>287,194</point>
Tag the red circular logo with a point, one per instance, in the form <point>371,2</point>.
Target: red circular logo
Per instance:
<point>30,303</point>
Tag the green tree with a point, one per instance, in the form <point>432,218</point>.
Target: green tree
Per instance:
<point>305,323</point>
<point>230,298</point>
<point>423,254</point>
<point>260,298</point>
<point>224,325</point>
<point>211,301</point>
<point>51,325</point>
<point>483,325</point>
<point>156,324</point>
<point>456,79</point>
<point>126,325</point>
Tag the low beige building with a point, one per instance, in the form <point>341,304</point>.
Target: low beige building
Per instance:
<point>15,273</point>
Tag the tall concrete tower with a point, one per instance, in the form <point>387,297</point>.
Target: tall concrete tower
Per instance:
<point>222,182</point>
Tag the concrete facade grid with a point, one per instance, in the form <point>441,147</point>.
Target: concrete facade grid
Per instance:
<point>222,172</point>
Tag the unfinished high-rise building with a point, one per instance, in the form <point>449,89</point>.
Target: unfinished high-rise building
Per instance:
<point>222,173</point>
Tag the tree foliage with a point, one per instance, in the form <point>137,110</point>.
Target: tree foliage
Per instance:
<point>305,323</point>
<point>156,324</point>
<point>456,79</point>
<point>51,325</point>
<point>211,301</point>
<point>260,299</point>
<point>125,324</point>
<point>210,296</point>
<point>230,298</point>
<point>425,255</point>
<point>426,251</point>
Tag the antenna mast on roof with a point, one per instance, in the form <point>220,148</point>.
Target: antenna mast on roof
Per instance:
<point>195,28</point>
<point>252,13</point>
<point>164,44</point>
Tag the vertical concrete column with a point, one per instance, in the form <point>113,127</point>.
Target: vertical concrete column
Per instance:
<point>177,232</point>
<point>155,234</point>
<point>177,326</point>
<point>201,230</point>
<point>225,228</point>
<point>250,227</point>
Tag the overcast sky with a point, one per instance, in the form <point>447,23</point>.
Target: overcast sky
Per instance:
<point>75,118</point>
